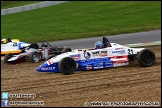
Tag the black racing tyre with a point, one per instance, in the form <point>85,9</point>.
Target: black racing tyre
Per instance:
<point>54,50</point>
<point>66,49</point>
<point>34,57</point>
<point>60,48</point>
<point>34,45</point>
<point>67,65</point>
<point>146,58</point>
<point>50,56</point>
<point>7,56</point>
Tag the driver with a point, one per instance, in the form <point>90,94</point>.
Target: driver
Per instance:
<point>3,41</point>
<point>98,45</point>
<point>44,45</point>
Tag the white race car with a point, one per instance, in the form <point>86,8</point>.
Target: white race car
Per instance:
<point>13,47</point>
<point>110,55</point>
<point>4,40</point>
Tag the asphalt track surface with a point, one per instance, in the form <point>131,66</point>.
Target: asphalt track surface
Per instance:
<point>122,39</point>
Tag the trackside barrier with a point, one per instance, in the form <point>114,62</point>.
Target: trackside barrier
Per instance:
<point>29,7</point>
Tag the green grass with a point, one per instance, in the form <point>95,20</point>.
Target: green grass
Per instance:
<point>82,19</point>
<point>10,4</point>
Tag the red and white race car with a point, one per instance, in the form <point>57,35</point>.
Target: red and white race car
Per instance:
<point>34,54</point>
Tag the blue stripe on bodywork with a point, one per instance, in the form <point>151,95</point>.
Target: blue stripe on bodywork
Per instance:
<point>88,64</point>
<point>19,45</point>
<point>92,64</point>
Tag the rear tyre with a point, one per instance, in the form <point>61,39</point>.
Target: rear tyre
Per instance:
<point>146,58</point>
<point>54,50</point>
<point>34,45</point>
<point>34,57</point>
<point>66,49</point>
<point>7,56</point>
<point>67,65</point>
<point>50,56</point>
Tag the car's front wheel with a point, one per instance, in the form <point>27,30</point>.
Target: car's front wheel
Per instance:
<point>34,57</point>
<point>67,65</point>
<point>7,57</point>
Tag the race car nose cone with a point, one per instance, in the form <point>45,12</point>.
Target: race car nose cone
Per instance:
<point>38,69</point>
<point>45,67</point>
<point>41,67</point>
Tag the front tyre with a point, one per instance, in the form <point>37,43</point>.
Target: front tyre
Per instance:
<point>7,57</point>
<point>146,58</point>
<point>67,65</point>
<point>34,57</point>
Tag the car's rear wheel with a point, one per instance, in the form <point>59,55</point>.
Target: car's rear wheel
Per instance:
<point>66,49</point>
<point>54,50</point>
<point>50,56</point>
<point>7,57</point>
<point>34,45</point>
<point>34,57</point>
<point>67,65</point>
<point>146,57</point>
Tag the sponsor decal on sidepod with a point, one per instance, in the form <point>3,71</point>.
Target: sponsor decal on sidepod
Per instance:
<point>103,53</point>
<point>119,48</point>
<point>75,57</point>
<point>89,67</point>
<point>98,64</point>
<point>109,64</point>
<point>96,53</point>
<point>87,55</point>
<point>98,67</point>
<point>120,52</point>
<point>100,53</point>
<point>48,68</point>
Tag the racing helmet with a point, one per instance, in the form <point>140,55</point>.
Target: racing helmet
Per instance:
<point>44,45</point>
<point>3,41</point>
<point>98,45</point>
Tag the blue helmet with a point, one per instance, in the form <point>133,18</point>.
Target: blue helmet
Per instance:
<point>98,45</point>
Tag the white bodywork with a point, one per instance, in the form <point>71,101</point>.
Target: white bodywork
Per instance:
<point>13,46</point>
<point>113,53</point>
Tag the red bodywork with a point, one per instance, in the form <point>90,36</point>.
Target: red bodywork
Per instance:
<point>43,53</point>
